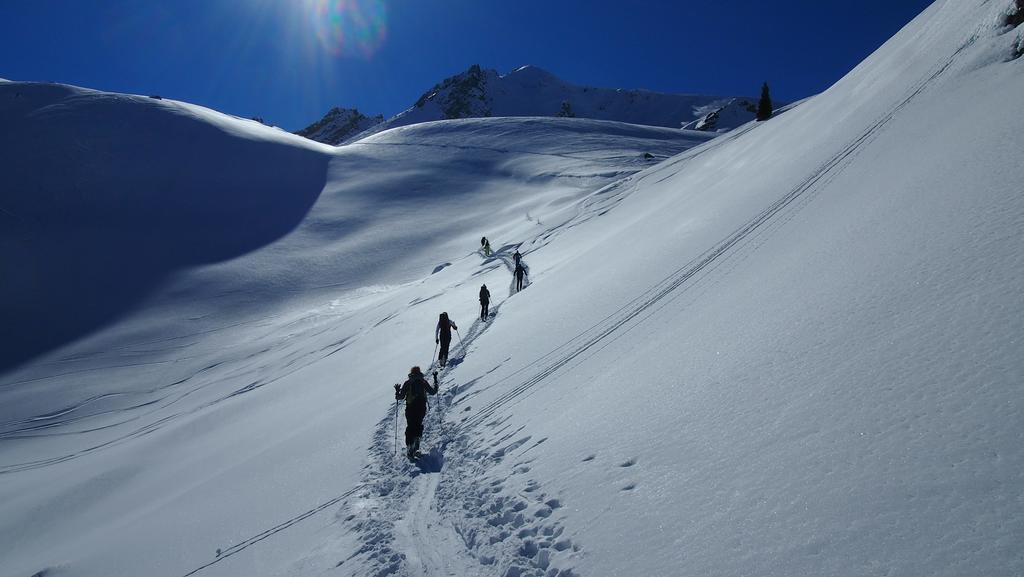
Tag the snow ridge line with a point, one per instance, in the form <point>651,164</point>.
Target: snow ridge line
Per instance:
<point>476,148</point>
<point>631,310</point>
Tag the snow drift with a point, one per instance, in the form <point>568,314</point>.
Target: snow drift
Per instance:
<point>105,195</point>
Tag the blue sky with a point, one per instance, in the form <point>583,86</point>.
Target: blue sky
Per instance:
<point>286,61</point>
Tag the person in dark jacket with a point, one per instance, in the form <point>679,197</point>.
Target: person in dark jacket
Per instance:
<point>516,257</point>
<point>414,391</point>
<point>443,335</point>
<point>520,273</point>
<point>485,302</point>
<point>486,246</point>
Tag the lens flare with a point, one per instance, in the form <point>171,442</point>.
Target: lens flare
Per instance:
<point>350,27</point>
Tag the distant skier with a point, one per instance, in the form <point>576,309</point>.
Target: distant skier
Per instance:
<point>486,244</point>
<point>415,391</point>
<point>485,302</point>
<point>520,273</point>
<point>443,335</point>
<point>516,257</point>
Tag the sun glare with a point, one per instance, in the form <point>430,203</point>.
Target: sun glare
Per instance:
<point>350,27</point>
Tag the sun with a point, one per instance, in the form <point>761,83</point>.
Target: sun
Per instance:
<point>349,27</point>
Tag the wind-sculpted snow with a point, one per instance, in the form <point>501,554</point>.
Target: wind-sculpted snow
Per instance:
<point>105,196</point>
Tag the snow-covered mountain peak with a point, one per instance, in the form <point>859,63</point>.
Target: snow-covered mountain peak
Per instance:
<point>533,91</point>
<point>339,124</point>
<point>531,74</point>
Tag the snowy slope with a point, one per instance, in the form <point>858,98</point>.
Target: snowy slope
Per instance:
<point>152,423</point>
<point>794,349</point>
<point>821,377</point>
<point>532,91</point>
<point>818,376</point>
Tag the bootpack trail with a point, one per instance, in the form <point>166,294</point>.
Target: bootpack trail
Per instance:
<point>450,512</point>
<point>446,513</point>
<point>454,477</point>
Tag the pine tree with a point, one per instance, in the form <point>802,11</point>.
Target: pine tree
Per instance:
<point>764,106</point>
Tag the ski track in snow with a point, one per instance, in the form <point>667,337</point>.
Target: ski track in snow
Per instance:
<point>224,553</point>
<point>740,243</point>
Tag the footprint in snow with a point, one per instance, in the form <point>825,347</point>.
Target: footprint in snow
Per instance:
<point>562,545</point>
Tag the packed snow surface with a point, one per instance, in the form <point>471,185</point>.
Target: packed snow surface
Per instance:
<point>794,349</point>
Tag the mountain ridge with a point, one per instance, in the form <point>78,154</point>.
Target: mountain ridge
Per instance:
<point>532,91</point>
<point>339,124</point>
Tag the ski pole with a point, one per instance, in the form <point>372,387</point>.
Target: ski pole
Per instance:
<point>396,419</point>
<point>460,335</point>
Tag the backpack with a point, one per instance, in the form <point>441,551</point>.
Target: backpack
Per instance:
<point>416,389</point>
